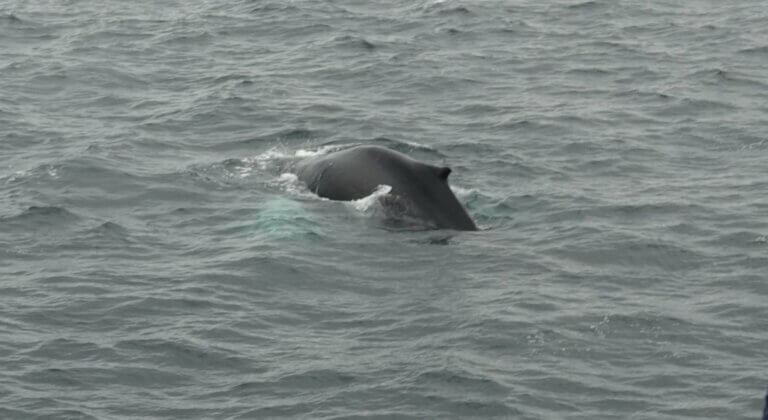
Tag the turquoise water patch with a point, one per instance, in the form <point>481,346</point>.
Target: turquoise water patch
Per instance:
<point>281,217</point>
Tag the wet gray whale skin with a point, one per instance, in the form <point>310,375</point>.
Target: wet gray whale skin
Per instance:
<point>422,189</point>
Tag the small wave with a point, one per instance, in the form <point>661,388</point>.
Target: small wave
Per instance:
<point>64,349</point>
<point>43,213</point>
<point>633,253</point>
<point>111,231</point>
<point>111,227</point>
<point>181,352</point>
<point>739,239</point>
<point>460,381</point>
<point>587,5</point>
<point>690,107</point>
<point>280,137</point>
<point>294,134</point>
<point>355,42</point>
<point>403,145</point>
<point>314,378</point>
<point>45,170</point>
<point>590,71</point>
<point>274,7</point>
<point>53,377</point>
<point>193,38</point>
<point>11,18</point>
<point>755,50</point>
<point>718,76</point>
<point>742,80</point>
<point>445,7</point>
<point>643,94</point>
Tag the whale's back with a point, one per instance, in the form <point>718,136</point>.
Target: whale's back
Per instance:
<point>357,172</point>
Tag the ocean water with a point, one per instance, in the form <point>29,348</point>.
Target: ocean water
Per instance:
<point>159,260</point>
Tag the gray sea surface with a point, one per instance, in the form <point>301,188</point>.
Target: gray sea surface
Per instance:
<point>159,260</point>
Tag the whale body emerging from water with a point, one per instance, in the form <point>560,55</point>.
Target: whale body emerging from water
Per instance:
<point>418,189</point>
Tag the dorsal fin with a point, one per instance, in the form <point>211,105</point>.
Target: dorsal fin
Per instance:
<point>443,172</point>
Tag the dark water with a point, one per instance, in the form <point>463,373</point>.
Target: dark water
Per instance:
<point>157,259</point>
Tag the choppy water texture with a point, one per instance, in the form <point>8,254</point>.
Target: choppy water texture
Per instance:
<point>158,260</point>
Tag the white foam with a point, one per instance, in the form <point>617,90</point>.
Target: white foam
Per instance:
<point>288,178</point>
<point>50,170</point>
<point>288,182</point>
<point>302,153</point>
<point>15,176</point>
<point>366,203</point>
<point>461,192</point>
<point>754,146</point>
<point>261,161</point>
<point>417,145</point>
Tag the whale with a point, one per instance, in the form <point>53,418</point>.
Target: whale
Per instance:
<point>765,408</point>
<point>417,189</point>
